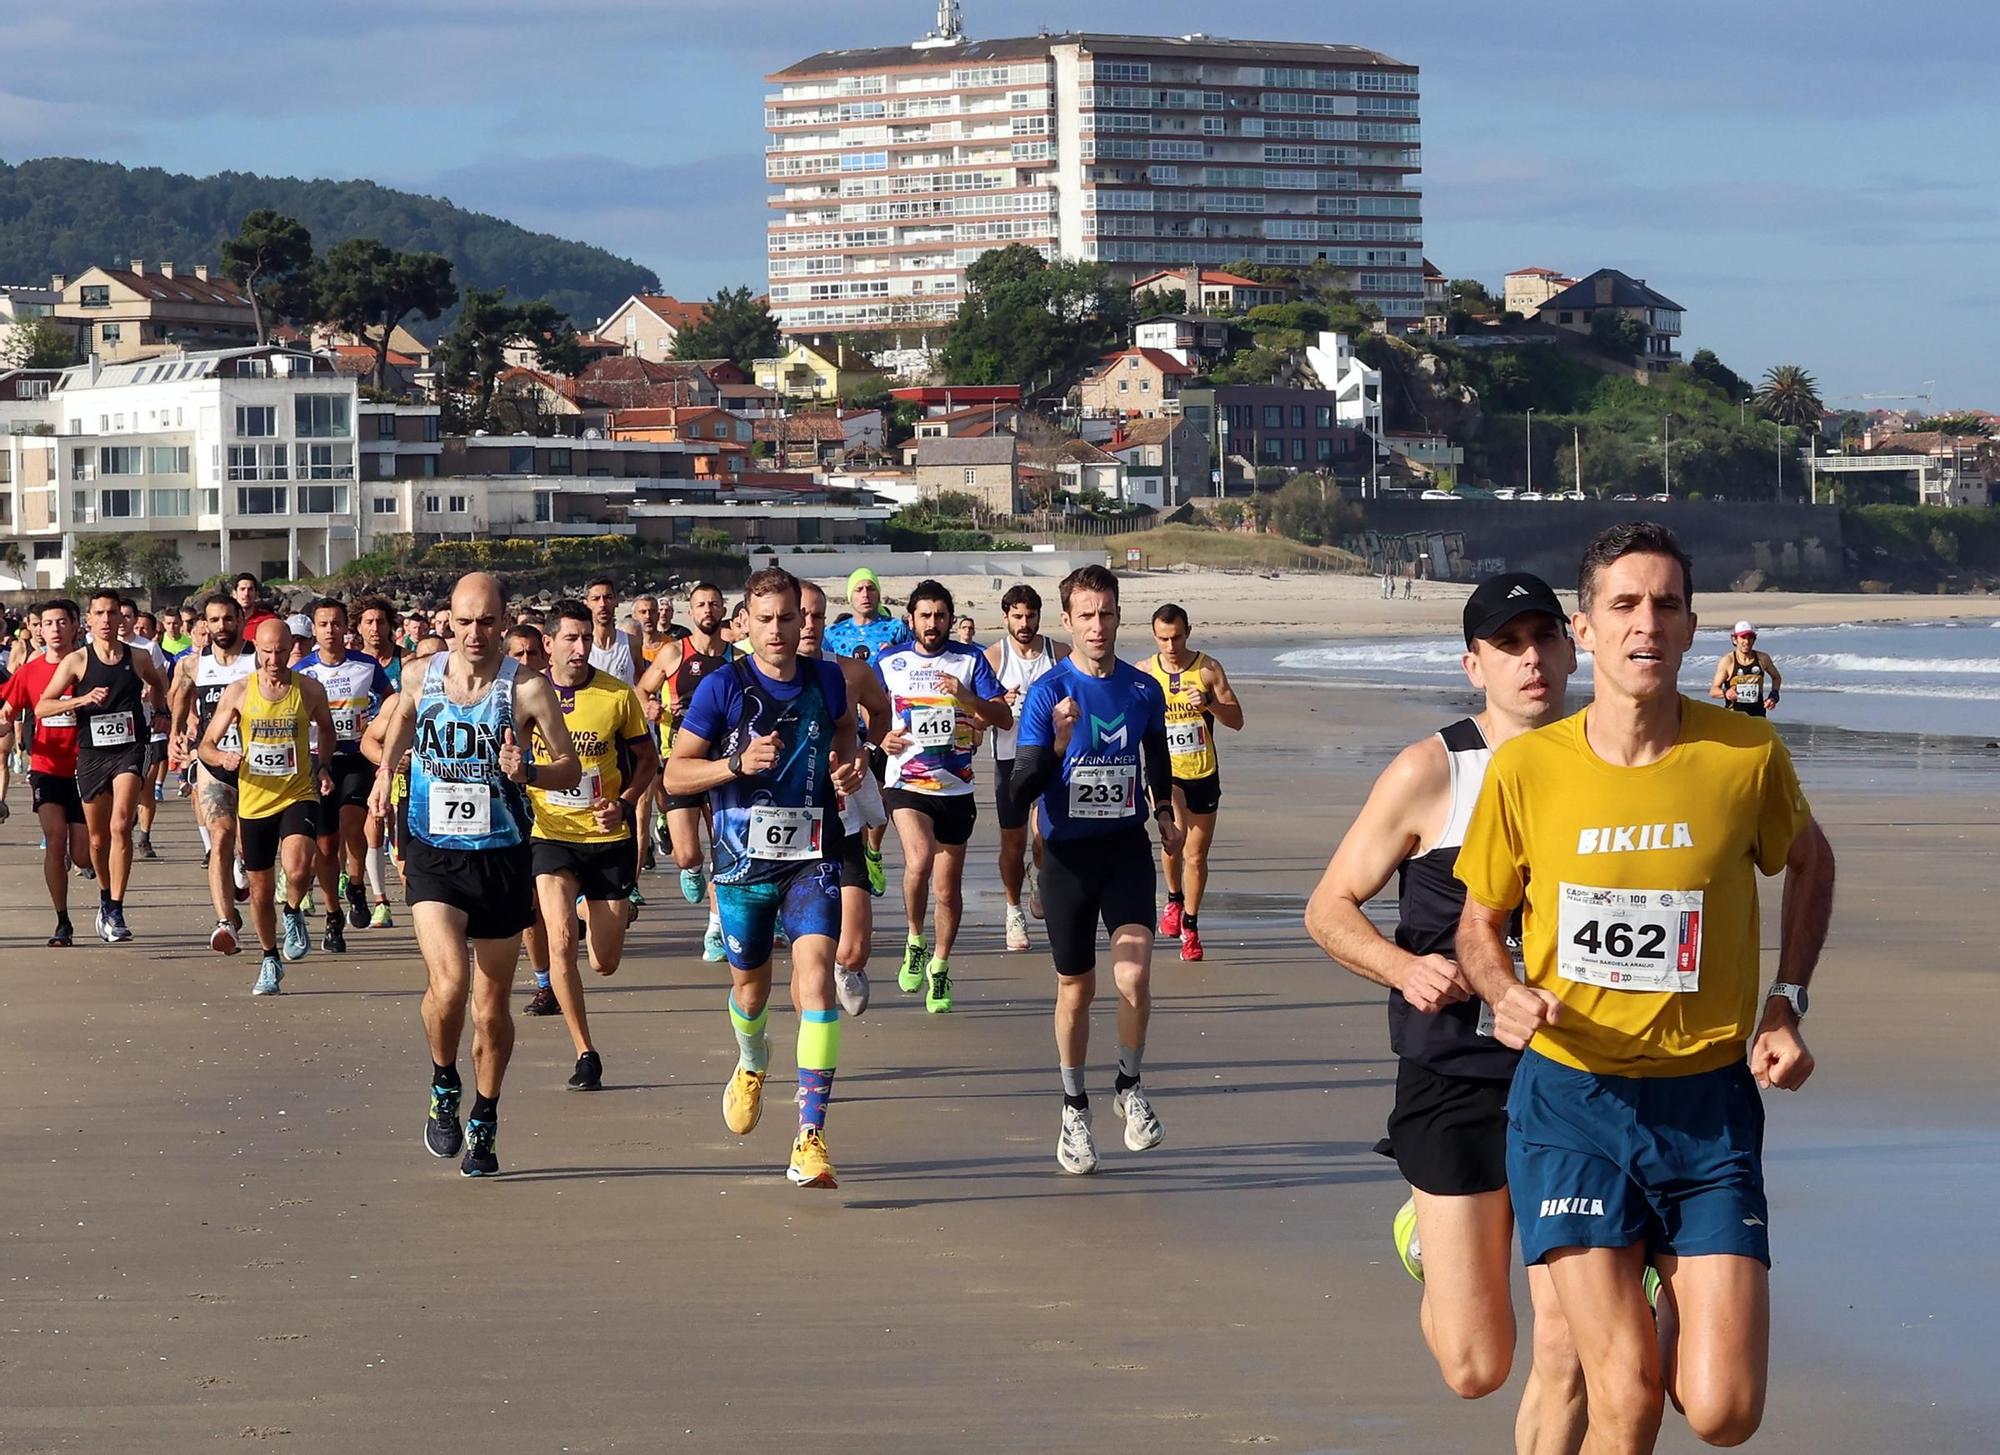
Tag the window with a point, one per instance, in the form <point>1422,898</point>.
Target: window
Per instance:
<point>971,475</point>
<point>427,466</point>
<point>430,429</point>
<point>320,416</point>
<point>95,295</point>
<point>1124,386</point>
<point>169,502</point>
<point>325,462</point>
<point>545,506</point>
<point>1323,416</point>
<point>166,459</point>
<point>211,501</point>
<point>120,460</point>
<point>558,462</point>
<point>1145,386</point>
<point>79,463</point>
<point>385,467</point>
<point>260,500</point>
<point>48,550</point>
<point>520,459</point>
<point>1274,416</point>
<point>322,500</point>
<point>118,504</point>
<point>383,505</point>
<point>455,505</point>
<point>112,333</point>
<point>256,420</point>
<point>118,420</point>
<point>385,426</point>
<point>1272,449</point>
<point>1298,451</point>
<point>433,504</point>
<point>1323,450</point>
<point>1566,317</point>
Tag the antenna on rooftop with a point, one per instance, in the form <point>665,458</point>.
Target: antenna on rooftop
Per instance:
<point>950,28</point>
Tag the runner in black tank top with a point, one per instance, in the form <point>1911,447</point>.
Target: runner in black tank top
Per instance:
<point>1448,1128</point>
<point>1748,684</point>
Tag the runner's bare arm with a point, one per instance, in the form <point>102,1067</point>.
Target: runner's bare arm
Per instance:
<point>209,750</point>
<point>1777,678</point>
<point>1720,686</point>
<point>690,770</point>
<point>1405,805</point>
<point>396,739</point>
<point>1778,1054</point>
<point>1222,699</point>
<point>1483,958</point>
<point>536,709</point>
<point>987,712</point>
<point>68,673</point>
<point>654,678</point>
<point>865,691</point>
<point>149,674</point>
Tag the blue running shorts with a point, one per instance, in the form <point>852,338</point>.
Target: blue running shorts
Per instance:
<point>806,900</point>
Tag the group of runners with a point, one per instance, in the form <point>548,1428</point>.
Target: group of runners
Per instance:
<point>1573,975</point>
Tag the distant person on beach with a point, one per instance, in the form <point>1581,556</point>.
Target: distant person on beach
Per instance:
<point>1747,679</point>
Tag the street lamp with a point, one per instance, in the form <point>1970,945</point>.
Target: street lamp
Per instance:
<point>1667,454</point>
<point>1531,447</point>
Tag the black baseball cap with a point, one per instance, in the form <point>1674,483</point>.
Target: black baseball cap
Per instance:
<point>1499,599</point>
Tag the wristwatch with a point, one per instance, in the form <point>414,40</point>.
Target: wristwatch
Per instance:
<point>1796,994</point>
<point>530,770</point>
<point>736,764</point>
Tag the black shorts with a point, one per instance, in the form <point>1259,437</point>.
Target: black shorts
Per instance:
<point>1107,879</point>
<point>854,864</point>
<point>55,789</point>
<point>951,814</point>
<point>1003,797</point>
<point>260,837</point>
<point>156,755</point>
<point>97,767</point>
<point>353,780</point>
<point>1448,1134</point>
<point>602,871</point>
<point>493,888</point>
<point>1203,794</point>
<point>669,802</point>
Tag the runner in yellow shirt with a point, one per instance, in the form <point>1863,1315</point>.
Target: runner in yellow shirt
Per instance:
<point>1632,835</point>
<point>1198,697</point>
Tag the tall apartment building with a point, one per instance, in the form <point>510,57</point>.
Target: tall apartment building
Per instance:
<point>895,168</point>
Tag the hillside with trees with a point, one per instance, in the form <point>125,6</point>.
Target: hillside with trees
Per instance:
<point>61,215</point>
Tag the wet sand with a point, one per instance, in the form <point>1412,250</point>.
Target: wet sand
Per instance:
<point>219,1223</point>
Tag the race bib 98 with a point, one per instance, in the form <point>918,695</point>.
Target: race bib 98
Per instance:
<point>1630,939</point>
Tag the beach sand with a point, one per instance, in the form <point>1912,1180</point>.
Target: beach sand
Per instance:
<point>220,1224</point>
<point>1298,606</point>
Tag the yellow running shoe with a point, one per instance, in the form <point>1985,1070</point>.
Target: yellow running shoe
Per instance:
<point>810,1167</point>
<point>743,1101</point>
<point>1404,1230</point>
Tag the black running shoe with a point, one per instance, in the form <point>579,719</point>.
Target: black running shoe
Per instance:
<point>589,1074</point>
<point>65,934</point>
<point>334,941</point>
<point>357,906</point>
<point>443,1136</point>
<point>144,845</point>
<point>543,1002</point>
<point>480,1159</point>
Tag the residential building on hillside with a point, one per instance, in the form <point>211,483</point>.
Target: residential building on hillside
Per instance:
<point>24,303</point>
<point>983,468</point>
<point>751,401</point>
<point>1356,388</point>
<point>648,324</point>
<point>821,375</point>
<point>399,441</point>
<point>25,407</point>
<point>1527,289</point>
<point>1165,461</point>
<point>135,312</point>
<point>802,441</point>
<point>1437,301</point>
<point>1083,468</point>
<point>893,168</point>
<point>970,421</point>
<point>936,399</point>
<point>1269,424</point>
<point>1610,291</point>
<point>1193,339</point>
<point>1134,382</point>
<point>1211,290</point>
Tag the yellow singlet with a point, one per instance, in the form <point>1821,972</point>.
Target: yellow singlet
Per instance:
<point>1190,731</point>
<point>1640,885</point>
<point>277,771</point>
<point>602,715</point>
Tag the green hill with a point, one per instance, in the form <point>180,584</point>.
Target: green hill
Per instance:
<point>60,215</point>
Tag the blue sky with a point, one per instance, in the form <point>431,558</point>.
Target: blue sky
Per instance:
<point>1813,183</point>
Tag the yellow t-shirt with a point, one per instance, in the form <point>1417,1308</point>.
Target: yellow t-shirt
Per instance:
<point>1190,730</point>
<point>1640,885</point>
<point>603,715</point>
<point>277,770</point>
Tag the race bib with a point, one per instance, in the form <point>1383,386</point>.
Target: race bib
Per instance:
<point>60,720</point>
<point>784,833</point>
<point>581,796</point>
<point>346,722</point>
<point>463,809</point>
<point>1185,739</point>
<point>111,730</point>
<point>1102,790</point>
<point>231,740</point>
<point>272,760</point>
<point>1630,939</point>
<point>933,726</point>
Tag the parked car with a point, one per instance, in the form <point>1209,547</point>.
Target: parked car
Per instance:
<point>1506,492</point>
<point>1624,497</point>
<point>1661,496</point>
<point>1569,495</point>
<point>1531,495</point>
<point>1437,495</point>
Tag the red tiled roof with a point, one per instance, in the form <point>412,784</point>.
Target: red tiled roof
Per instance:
<point>181,288</point>
<point>799,429</point>
<point>669,308</point>
<point>1208,275</point>
<point>1535,273</point>
<point>668,416</point>
<point>1160,359</point>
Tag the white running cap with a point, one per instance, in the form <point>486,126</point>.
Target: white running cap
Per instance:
<point>1743,629</point>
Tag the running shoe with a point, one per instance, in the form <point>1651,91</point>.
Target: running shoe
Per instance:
<point>1034,890</point>
<point>1404,1231</point>
<point>84,871</point>
<point>1017,927</point>
<point>104,924</point>
<point>937,986</point>
<point>810,1165</point>
<point>222,939</point>
<point>243,883</point>
<point>850,988</point>
<point>204,860</point>
<point>480,1158</point>
<point>381,919</point>
<point>298,939</point>
<point>334,941</point>
<point>443,1136</point>
<point>663,841</point>
<point>1190,942</point>
<point>64,934</point>
<point>635,898</point>
<point>1649,1283</point>
<point>878,878</point>
<point>270,974</point>
<point>712,948</point>
<point>693,884</point>
<point>543,1002</point>
<point>142,844</point>
<point>120,931</point>
<point>357,903</point>
<point>589,1073</point>
<point>911,976</point>
<point>159,793</point>
<point>743,1100</point>
<point>1170,919</point>
<point>1142,1123</point>
<point>1076,1152</point>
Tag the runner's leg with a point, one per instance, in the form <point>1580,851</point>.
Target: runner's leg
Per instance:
<point>1715,1341</point>
<point>493,964</point>
<point>948,884</point>
<point>920,848</point>
<point>1468,1309</point>
<point>1200,831</point>
<point>1174,863</point>
<point>555,897</point>
<point>608,922</point>
<point>1074,994</point>
<point>55,854</point>
<point>126,791</point>
<point>1552,1419</point>
<point>1603,1298</point>
<point>97,823</point>
<point>1132,969</point>
<point>264,906</point>
<point>448,976</point>
<point>1013,863</point>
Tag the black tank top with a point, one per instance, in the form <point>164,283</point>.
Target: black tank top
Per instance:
<point>120,720</point>
<point>1430,899</point>
<point>1748,680</point>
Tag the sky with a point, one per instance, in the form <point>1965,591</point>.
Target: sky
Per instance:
<point>1814,184</point>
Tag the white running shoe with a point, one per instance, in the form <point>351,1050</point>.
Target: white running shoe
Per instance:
<point>1142,1123</point>
<point>1017,928</point>
<point>1034,890</point>
<point>850,988</point>
<point>1076,1152</point>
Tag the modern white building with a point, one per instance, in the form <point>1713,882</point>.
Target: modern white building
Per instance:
<point>1357,389</point>
<point>895,167</point>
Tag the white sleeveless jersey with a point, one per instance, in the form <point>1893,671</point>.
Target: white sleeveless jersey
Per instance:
<point>615,659</point>
<point>1018,673</point>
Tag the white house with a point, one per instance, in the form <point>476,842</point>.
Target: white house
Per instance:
<point>1356,387</point>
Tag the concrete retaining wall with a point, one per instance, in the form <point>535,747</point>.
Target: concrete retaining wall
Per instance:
<point>1795,546</point>
<point>913,566</point>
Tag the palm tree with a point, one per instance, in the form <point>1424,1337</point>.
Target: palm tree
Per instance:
<point>1790,396</point>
